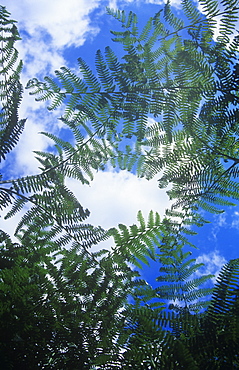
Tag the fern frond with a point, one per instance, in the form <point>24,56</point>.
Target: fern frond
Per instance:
<point>10,87</point>
<point>138,243</point>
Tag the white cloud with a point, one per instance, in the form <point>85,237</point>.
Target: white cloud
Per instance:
<point>66,22</point>
<point>227,222</point>
<point>40,58</point>
<point>235,222</point>
<point>219,222</point>
<point>114,198</point>
<point>30,140</point>
<point>213,263</point>
<point>175,3</point>
<point>222,220</point>
<point>118,4</point>
<point>47,28</point>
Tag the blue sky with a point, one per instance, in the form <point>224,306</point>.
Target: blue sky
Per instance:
<point>55,33</point>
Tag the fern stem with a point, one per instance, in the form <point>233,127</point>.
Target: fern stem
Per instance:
<point>12,192</point>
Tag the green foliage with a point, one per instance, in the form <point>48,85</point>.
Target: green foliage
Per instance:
<point>11,89</point>
<point>137,243</point>
<point>168,339</point>
<point>198,151</point>
<point>174,94</point>
<point>61,309</point>
<point>186,83</point>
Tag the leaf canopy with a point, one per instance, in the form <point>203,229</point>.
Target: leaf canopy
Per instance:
<point>174,95</point>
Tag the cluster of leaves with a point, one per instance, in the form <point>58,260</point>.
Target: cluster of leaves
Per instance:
<point>11,89</point>
<point>62,304</point>
<point>65,305</point>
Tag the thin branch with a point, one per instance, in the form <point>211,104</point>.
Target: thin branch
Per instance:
<point>12,192</point>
